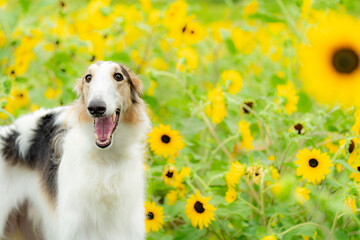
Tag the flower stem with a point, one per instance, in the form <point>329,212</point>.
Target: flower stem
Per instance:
<point>262,217</point>
<point>304,224</point>
<point>334,222</point>
<point>200,180</point>
<point>224,142</point>
<point>288,18</point>
<point>252,191</point>
<point>214,178</point>
<point>213,133</point>
<point>191,185</point>
<point>249,204</point>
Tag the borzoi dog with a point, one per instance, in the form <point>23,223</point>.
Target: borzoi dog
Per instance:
<point>76,172</point>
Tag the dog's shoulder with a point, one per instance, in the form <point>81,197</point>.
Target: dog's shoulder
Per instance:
<point>34,141</point>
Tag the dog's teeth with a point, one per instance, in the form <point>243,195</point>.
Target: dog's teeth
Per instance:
<point>114,117</point>
<point>96,137</point>
<point>108,137</point>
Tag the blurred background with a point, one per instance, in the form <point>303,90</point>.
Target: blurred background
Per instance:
<point>254,104</point>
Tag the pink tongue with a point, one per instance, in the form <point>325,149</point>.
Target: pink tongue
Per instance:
<point>103,127</point>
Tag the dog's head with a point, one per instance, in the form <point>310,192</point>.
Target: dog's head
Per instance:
<point>109,91</point>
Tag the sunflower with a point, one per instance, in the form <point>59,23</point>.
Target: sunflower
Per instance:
<point>154,217</point>
<point>274,173</point>
<point>302,194</point>
<point>270,237</point>
<point>181,190</point>
<point>169,174</point>
<point>351,146</point>
<point>199,211</point>
<point>330,146</point>
<point>313,165</point>
<point>216,109</point>
<point>233,80</point>
<point>164,141</point>
<point>244,128</point>
<point>217,28</point>
<point>356,127</point>
<point>256,172</point>
<point>188,32</point>
<point>353,175</point>
<point>350,203</point>
<point>298,128</point>
<point>237,170</point>
<point>187,59</point>
<point>251,8</point>
<point>243,40</point>
<point>175,14</point>
<point>288,92</point>
<point>230,195</point>
<point>330,62</point>
<point>19,98</point>
<point>171,196</point>
<point>185,171</point>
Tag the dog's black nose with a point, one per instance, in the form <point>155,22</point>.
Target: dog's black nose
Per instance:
<point>97,107</point>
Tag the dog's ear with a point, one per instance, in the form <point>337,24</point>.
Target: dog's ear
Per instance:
<point>136,85</point>
<point>136,88</point>
<point>78,88</point>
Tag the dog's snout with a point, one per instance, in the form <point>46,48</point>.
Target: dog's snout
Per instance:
<point>97,107</point>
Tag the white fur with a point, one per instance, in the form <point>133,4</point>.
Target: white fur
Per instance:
<point>100,191</point>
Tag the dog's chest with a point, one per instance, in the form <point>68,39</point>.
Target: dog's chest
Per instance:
<point>107,189</point>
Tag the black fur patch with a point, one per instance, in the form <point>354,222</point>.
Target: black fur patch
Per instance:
<point>10,148</point>
<point>41,154</point>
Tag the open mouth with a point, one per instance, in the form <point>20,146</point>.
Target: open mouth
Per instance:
<point>104,128</point>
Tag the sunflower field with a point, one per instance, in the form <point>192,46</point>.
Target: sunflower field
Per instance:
<point>255,105</point>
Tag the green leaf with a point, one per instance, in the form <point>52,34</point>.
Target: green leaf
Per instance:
<point>307,230</point>
<point>236,208</point>
<point>25,4</point>
<point>346,165</point>
<point>305,104</point>
<point>189,232</point>
<point>275,80</point>
<point>266,17</point>
<point>230,46</point>
<point>106,11</point>
<point>340,234</point>
<point>7,85</point>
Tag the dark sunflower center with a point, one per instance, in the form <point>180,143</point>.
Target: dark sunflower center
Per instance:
<point>313,162</point>
<point>169,174</point>
<point>298,127</point>
<point>199,208</point>
<point>358,168</point>
<point>150,215</point>
<point>183,29</point>
<point>345,60</point>
<point>257,174</point>
<point>351,146</point>
<point>250,105</point>
<point>165,138</point>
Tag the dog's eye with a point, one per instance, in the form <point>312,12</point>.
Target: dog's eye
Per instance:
<point>88,78</point>
<point>118,77</point>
